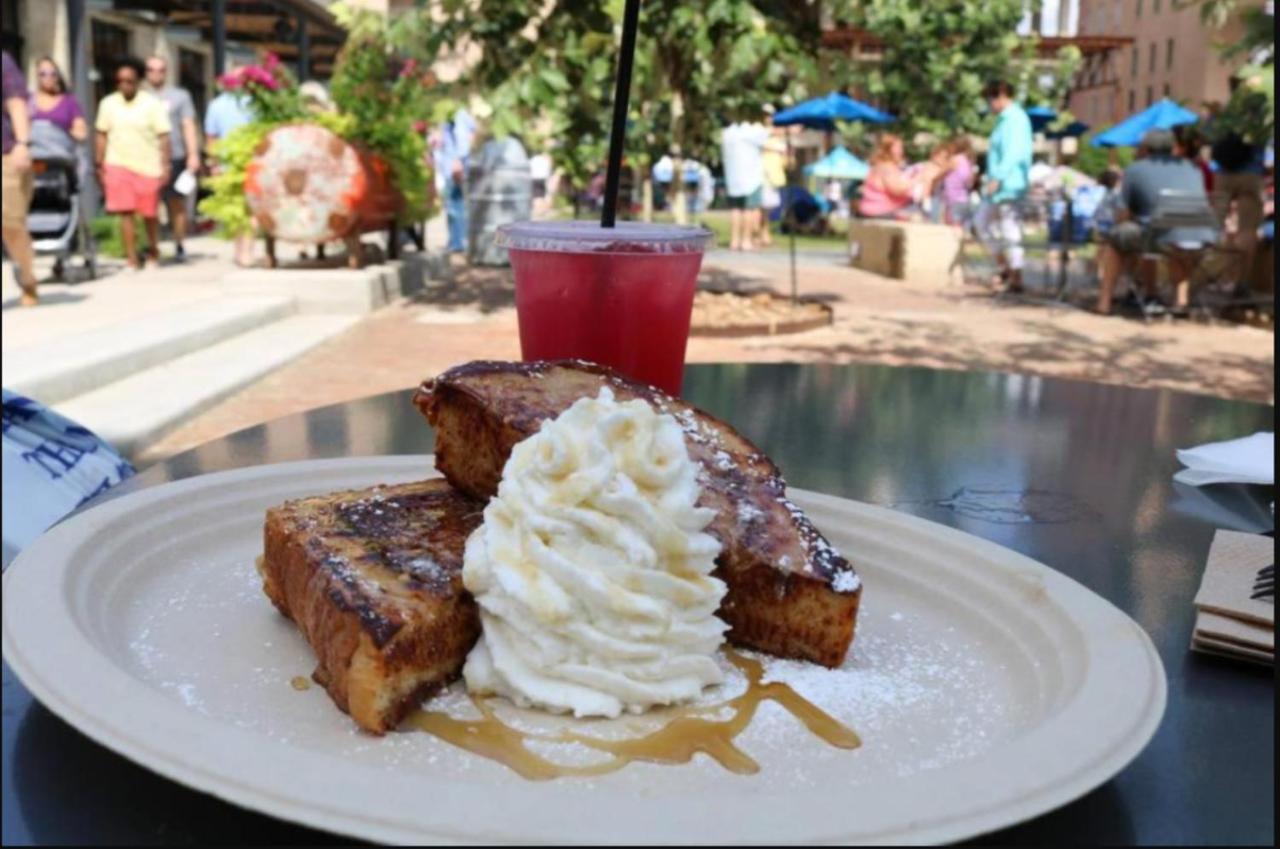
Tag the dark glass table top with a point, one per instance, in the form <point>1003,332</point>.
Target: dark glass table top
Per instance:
<point>1075,475</point>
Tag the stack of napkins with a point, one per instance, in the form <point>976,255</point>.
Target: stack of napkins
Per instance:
<point>1230,620</point>
<point>1248,460</point>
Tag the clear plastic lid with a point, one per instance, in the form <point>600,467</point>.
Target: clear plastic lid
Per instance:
<point>628,237</point>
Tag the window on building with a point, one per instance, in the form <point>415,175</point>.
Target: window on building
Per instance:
<point>1167,90</point>
<point>1133,100</point>
<point>1168,53</point>
<point>1139,12</point>
<point>1151,95</point>
<point>191,76</point>
<point>110,45</point>
<point>1133,62</point>
<point>1151,58</point>
<point>1155,6</point>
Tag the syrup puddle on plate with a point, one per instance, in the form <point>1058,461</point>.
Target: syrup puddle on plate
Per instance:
<point>692,730</point>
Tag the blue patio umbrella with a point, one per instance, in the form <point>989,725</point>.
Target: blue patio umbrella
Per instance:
<point>822,112</point>
<point>1164,115</point>
<point>839,164</point>
<point>1072,130</point>
<point>1041,117</point>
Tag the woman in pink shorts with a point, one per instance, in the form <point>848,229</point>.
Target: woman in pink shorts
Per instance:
<point>128,191</point>
<point>132,154</point>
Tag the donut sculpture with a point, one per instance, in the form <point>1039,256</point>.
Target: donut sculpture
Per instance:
<point>306,184</point>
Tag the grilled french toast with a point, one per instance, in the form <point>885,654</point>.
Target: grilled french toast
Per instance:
<point>789,592</point>
<point>373,578</point>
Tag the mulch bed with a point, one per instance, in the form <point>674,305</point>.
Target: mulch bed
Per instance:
<point>754,314</point>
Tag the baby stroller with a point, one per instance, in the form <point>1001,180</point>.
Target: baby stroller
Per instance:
<point>58,220</point>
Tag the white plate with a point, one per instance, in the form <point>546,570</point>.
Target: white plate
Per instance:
<point>987,688</point>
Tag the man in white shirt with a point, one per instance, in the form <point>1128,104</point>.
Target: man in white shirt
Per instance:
<point>184,147</point>
<point>741,146</point>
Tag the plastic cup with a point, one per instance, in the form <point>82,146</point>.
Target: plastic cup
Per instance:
<point>620,296</point>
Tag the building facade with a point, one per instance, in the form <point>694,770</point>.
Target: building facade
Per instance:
<point>195,36</point>
<point>1173,54</point>
<point>42,29</point>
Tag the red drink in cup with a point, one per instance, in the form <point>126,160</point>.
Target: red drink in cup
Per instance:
<point>619,296</point>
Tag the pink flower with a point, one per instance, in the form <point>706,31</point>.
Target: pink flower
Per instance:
<point>407,69</point>
<point>230,81</point>
<point>259,76</point>
<point>271,62</point>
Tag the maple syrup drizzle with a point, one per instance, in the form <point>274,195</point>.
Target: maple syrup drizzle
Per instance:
<point>691,731</point>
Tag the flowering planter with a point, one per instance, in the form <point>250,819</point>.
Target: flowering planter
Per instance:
<point>306,184</point>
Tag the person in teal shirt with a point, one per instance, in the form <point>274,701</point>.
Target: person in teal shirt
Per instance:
<point>1005,183</point>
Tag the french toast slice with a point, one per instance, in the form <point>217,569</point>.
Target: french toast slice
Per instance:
<point>373,578</point>
<point>789,592</point>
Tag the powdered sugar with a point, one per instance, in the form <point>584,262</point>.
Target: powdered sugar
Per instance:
<point>845,582</point>
<point>919,695</point>
<point>919,699</point>
<point>926,683</point>
<point>722,461</point>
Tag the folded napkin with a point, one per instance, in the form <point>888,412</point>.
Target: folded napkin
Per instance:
<point>1231,617</point>
<point>1248,460</point>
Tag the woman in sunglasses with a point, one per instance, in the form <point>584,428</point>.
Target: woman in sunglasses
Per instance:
<point>53,103</point>
<point>132,156</point>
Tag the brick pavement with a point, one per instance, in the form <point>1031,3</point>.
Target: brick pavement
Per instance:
<point>877,320</point>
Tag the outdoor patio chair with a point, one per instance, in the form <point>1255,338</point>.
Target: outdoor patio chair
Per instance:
<point>1183,227</point>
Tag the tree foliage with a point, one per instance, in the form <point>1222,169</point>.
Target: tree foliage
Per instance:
<point>1094,161</point>
<point>937,58</point>
<point>548,70</point>
<point>1251,112</point>
<point>387,91</point>
<point>547,66</point>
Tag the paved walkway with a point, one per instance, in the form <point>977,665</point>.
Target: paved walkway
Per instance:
<point>117,295</point>
<point>877,320</point>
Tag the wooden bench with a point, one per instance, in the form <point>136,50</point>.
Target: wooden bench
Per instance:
<point>903,250</point>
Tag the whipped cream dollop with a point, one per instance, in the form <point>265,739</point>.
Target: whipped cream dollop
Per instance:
<point>592,568</point>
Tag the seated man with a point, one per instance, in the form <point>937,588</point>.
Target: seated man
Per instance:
<point>1157,170</point>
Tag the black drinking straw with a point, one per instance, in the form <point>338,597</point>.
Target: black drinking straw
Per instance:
<point>621,95</point>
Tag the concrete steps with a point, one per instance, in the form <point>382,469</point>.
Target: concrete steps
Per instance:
<point>134,411</point>
<point>56,371</point>
<point>131,375</point>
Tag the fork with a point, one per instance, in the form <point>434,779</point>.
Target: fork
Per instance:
<point>1264,586</point>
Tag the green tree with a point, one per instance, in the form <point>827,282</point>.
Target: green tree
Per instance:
<point>550,66</point>
<point>1251,111</point>
<point>1094,161</point>
<point>727,62</point>
<point>937,59</point>
<point>697,65</point>
<point>550,78</point>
